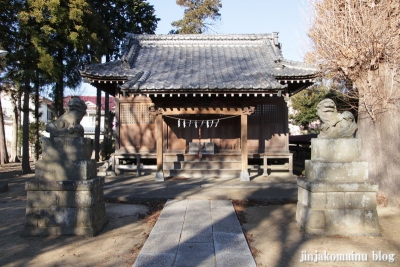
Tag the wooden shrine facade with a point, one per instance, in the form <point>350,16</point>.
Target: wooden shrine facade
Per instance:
<point>173,91</point>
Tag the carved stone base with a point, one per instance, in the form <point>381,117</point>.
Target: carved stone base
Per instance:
<point>65,207</point>
<point>335,197</point>
<point>345,209</point>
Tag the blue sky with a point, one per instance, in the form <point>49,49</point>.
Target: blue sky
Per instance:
<point>247,17</point>
<point>250,16</point>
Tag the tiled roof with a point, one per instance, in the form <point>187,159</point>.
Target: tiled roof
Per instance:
<point>200,62</point>
<point>93,100</point>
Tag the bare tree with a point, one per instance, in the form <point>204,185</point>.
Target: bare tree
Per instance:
<point>358,40</point>
<point>14,94</point>
<point>3,147</point>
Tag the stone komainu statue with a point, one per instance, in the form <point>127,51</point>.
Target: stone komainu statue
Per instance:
<point>334,124</point>
<point>68,125</point>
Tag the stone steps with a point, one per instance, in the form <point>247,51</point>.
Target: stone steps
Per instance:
<point>179,165</point>
<point>209,166</point>
<point>203,173</point>
<point>205,157</point>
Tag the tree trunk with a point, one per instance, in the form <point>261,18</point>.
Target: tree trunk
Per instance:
<point>59,99</point>
<point>381,145</point>
<point>379,129</point>
<point>25,130</point>
<point>97,126</point>
<point>3,147</point>
<point>59,87</point>
<point>37,120</point>
<point>19,108</point>
<point>14,144</point>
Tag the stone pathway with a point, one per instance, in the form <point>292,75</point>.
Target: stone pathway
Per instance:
<point>196,233</point>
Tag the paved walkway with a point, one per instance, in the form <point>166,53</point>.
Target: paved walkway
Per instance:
<point>196,233</point>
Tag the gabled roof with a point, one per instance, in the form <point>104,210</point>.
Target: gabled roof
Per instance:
<point>92,99</point>
<point>188,63</point>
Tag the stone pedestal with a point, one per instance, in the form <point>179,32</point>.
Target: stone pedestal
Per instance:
<point>67,196</point>
<point>66,158</point>
<point>335,197</point>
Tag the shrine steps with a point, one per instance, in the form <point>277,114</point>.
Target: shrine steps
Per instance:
<point>208,166</point>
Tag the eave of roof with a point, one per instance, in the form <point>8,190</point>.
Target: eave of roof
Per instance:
<point>193,63</point>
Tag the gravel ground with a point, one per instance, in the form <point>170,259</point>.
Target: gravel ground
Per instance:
<point>271,231</point>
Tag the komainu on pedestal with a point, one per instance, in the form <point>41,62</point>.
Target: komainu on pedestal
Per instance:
<point>335,197</point>
<point>66,197</point>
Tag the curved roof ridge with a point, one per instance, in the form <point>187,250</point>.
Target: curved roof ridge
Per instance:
<point>255,36</point>
<point>298,65</point>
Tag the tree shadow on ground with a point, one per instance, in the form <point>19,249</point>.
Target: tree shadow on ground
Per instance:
<point>277,240</point>
<point>270,229</point>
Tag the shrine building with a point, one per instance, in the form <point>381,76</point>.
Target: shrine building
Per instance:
<point>201,105</point>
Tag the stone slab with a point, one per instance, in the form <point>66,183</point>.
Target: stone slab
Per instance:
<point>336,150</point>
<point>64,216</point>
<point>232,250</point>
<point>177,214</point>
<point>221,204</point>
<point>154,259</point>
<point>360,200</point>
<point>47,199</point>
<point>174,203</point>
<point>195,254</point>
<point>198,216</point>
<point>68,185</point>
<point>157,243</point>
<point>167,226</point>
<point>320,186</point>
<point>81,231</point>
<point>229,224</point>
<point>66,148</point>
<point>343,213</point>
<point>65,170</point>
<point>199,205</point>
<point>195,233</point>
<point>336,171</point>
<point>201,242</point>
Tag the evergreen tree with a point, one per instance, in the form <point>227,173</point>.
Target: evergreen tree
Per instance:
<point>63,36</point>
<point>10,41</point>
<point>119,17</point>
<point>305,103</point>
<point>198,16</point>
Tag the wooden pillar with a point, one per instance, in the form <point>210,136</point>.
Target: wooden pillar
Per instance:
<point>117,124</point>
<point>244,175</point>
<point>97,126</point>
<point>287,99</point>
<point>159,141</point>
